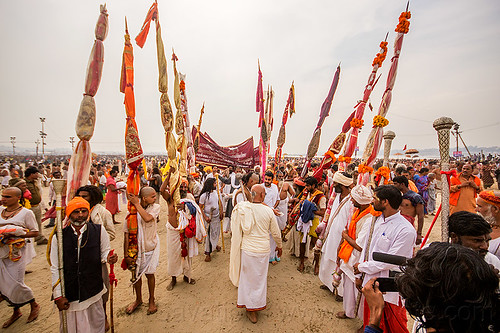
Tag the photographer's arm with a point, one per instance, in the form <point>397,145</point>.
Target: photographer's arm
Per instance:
<point>375,301</point>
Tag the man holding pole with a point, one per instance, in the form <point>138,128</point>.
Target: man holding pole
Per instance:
<point>85,246</point>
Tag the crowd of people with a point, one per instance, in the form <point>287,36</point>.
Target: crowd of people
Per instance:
<point>329,222</point>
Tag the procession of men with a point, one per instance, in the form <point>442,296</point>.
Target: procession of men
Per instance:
<point>333,234</point>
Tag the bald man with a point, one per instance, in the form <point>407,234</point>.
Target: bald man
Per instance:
<point>17,220</point>
<point>251,224</point>
<point>148,212</point>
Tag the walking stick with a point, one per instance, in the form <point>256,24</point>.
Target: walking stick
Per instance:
<point>221,213</point>
<point>58,187</point>
<point>112,283</point>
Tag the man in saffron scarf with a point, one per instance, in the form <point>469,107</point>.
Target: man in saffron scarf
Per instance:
<point>350,249</point>
<point>463,190</point>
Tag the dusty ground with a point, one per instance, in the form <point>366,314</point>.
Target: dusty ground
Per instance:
<point>295,301</point>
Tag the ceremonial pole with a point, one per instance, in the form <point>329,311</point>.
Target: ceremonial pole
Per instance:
<point>443,126</point>
<point>385,171</point>
<point>58,188</point>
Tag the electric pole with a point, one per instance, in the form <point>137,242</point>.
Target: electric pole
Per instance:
<point>43,135</point>
<point>37,142</point>
<point>72,141</point>
<point>13,141</point>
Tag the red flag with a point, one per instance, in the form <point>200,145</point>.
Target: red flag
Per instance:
<point>404,148</point>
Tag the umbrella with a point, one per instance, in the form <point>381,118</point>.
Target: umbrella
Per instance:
<point>133,152</point>
<point>398,154</point>
<point>411,151</point>
<point>81,159</point>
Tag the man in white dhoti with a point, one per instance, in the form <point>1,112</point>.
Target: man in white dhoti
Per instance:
<point>341,212</point>
<point>251,224</point>
<point>85,247</point>
<point>148,212</point>
<point>212,214</point>
<point>185,230</point>
<point>350,249</point>
<point>17,224</point>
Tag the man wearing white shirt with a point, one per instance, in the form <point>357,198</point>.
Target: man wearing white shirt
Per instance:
<point>272,200</point>
<point>392,234</point>
<point>85,247</point>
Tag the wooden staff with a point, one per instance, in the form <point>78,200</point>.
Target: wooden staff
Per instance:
<point>58,187</point>
<point>221,213</point>
<point>112,283</point>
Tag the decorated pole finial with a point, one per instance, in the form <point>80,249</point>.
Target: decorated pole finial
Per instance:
<point>443,126</point>
<point>388,137</point>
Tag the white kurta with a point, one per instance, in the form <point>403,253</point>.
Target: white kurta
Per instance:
<point>337,223</point>
<point>391,235</point>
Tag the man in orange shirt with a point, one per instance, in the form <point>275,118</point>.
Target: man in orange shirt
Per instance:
<point>463,190</point>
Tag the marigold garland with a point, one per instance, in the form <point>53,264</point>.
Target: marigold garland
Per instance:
<point>357,123</point>
<point>346,159</point>
<point>404,25</point>
<point>331,155</point>
<point>182,85</point>
<point>380,57</point>
<point>380,121</point>
<point>384,172</point>
<point>362,168</point>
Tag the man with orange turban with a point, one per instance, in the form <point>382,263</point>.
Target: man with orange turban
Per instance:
<point>488,206</point>
<point>85,248</point>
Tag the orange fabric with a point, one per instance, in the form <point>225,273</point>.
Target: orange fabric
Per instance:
<point>412,186</point>
<point>76,203</point>
<point>346,248</point>
<point>455,181</point>
<point>152,15</point>
<point>490,197</point>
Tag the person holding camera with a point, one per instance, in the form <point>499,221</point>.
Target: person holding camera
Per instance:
<point>391,234</point>
<point>446,288</point>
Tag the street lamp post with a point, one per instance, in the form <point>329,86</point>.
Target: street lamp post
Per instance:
<point>43,135</point>
<point>13,141</point>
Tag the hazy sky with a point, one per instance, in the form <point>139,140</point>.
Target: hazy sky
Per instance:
<point>448,67</point>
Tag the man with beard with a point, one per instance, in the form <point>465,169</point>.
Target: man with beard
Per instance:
<point>488,206</point>
<point>85,247</point>
<point>350,249</point>
<point>272,199</point>
<point>212,214</point>
<point>472,231</point>
<point>341,212</point>
<point>185,230</point>
<point>412,205</point>
<point>463,190</point>
<point>392,234</point>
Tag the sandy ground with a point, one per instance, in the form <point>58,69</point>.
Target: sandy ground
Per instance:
<point>295,301</point>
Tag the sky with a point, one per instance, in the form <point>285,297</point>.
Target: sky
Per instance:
<point>448,67</point>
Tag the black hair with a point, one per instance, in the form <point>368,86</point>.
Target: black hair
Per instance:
<point>423,170</point>
<point>246,177</point>
<point>468,224</point>
<point>269,173</point>
<point>30,171</point>
<point>208,186</point>
<point>399,170</point>
<point>401,180</point>
<point>94,192</point>
<point>311,181</point>
<point>391,194</point>
<point>335,167</point>
<point>450,288</point>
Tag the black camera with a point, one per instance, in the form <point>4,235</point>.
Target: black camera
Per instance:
<point>388,284</point>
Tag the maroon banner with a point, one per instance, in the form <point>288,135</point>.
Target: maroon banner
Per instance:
<point>209,152</point>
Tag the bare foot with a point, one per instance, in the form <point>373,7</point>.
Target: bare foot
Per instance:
<point>171,284</point>
<point>217,248</point>
<point>35,310</point>
<point>341,315</point>
<point>252,315</point>
<point>186,279</point>
<point>152,308</point>
<point>132,307</point>
<point>301,267</point>
<point>274,263</point>
<point>15,316</point>
<point>208,258</point>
